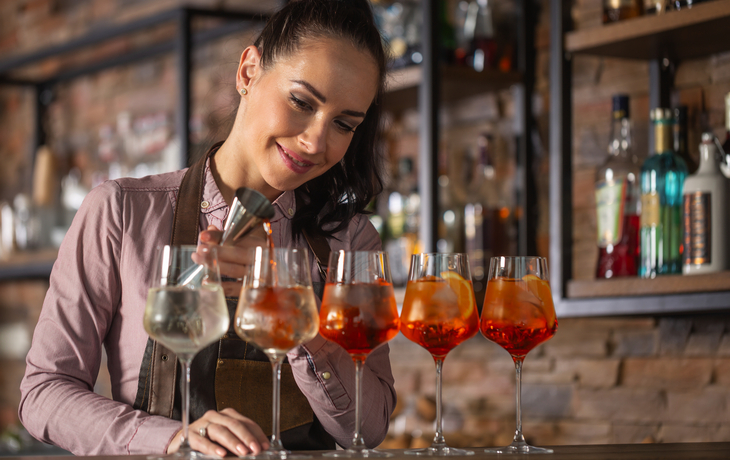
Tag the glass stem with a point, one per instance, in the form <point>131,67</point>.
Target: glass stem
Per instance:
<point>185,444</point>
<point>519,438</point>
<point>438,440</point>
<point>358,443</point>
<point>276,443</point>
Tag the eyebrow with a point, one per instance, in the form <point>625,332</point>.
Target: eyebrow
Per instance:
<point>323,99</point>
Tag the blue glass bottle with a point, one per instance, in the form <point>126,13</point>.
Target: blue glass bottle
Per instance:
<point>662,178</point>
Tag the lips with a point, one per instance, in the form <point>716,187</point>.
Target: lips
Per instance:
<point>293,161</point>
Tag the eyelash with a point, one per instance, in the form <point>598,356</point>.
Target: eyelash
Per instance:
<point>301,105</point>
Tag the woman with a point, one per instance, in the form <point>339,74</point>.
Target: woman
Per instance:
<point>304,136</point>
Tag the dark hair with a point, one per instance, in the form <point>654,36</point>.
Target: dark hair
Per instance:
<point>344,190</point>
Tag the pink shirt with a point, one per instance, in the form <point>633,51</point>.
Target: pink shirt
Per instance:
<point>97,296</point>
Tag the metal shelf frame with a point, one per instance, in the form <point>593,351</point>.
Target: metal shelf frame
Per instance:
<point>181,45</point>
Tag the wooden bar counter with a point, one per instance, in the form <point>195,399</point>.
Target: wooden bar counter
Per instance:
<point>678,451</point>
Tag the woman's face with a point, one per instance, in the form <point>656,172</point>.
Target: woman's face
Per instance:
<point>300,115</point>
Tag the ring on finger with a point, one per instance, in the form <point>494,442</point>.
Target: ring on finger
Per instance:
<point>203,432</point>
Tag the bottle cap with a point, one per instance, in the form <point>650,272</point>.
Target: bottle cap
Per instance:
<point>660,114</point>
<point>620,106</point>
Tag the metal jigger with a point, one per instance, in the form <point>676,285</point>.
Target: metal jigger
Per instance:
<point>248,210</point>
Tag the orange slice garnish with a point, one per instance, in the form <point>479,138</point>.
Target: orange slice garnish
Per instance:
<point>464,292</point>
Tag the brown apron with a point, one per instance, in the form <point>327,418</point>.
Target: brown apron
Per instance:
<point>230,373</point>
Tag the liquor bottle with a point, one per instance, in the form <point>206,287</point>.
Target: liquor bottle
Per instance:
<point>680,138</point>
<point>618,199</point>
<point>705,214</point>
<point>662,178</point>
<point>618,10</point>
<point>479,29</point>
<point>487,216</point>
<point>725,165</point>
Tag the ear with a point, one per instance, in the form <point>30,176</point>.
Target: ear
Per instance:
<point>248,67</point>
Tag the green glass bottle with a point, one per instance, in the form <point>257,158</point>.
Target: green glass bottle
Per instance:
<point>662,178</point>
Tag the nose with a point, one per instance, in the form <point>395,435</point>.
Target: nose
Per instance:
<point>314,138</point>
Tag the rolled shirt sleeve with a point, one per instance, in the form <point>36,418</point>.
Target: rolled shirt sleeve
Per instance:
<point>58,404</point>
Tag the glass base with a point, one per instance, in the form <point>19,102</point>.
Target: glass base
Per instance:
<point>357,453</point>
<point>275,455</point>
<point>440,451</point>
<point>184,454</point>
<point>518,448</point>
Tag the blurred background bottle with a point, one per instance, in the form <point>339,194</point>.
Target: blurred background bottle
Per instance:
<point>681,139</point>
<point>618,10</point>
<point>487,216</point>
<point>402,221</point>
<point>479,31</point>
<point>618,199</point>
<point>725,165</point>
<point>662,178</point>
<point>705,213</point>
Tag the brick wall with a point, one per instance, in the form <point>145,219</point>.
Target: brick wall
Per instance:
<point>598,381</point>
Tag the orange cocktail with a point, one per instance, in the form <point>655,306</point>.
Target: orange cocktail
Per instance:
<point>359,317</point>
<point>438,314</point>
<point>518,314</point>
<point>358,313</point>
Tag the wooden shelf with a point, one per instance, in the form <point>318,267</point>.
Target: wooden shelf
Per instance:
<point>456,83</point>
<point>664,295</point>
<point>687,34</point>
<point>35,264</point>
<point>662,285</point>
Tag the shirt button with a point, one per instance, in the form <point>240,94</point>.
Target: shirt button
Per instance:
<point>291,212</point>
<point>326,375</point>
<point>205,204</point>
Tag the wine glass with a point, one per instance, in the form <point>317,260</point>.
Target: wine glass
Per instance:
<point>439,312</point>
<point>359,313</point>
<point>276,312</point>
<point>518,314</point>
<point>185,316</point>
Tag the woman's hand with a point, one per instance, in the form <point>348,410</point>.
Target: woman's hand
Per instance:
<point>232,260</point>
<point>225,431</point>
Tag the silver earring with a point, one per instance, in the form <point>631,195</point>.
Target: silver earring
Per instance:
<point>243,91</point>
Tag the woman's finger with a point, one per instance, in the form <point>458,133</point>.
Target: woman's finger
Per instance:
<point>239,443</point>
<point>211,235</point>
<point>204,444</point>
<point>236,433</point>
<point>249,425</point>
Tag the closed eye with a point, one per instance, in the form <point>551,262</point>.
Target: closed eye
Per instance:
<point>298,103</point>
<point>344,127</point>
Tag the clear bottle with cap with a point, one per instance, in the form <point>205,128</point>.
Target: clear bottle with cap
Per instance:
<point>662,179</point>
<point>705,213</point>
<point>618,199</point>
